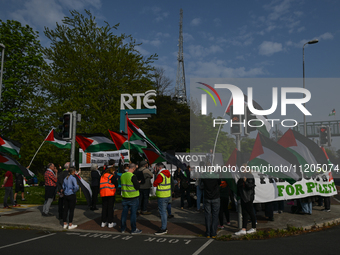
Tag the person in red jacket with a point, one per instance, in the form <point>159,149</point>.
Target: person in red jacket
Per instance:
<point>8,184</point>
<point>163,193</point>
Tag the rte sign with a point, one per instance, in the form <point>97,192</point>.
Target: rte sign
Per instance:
<point>127,99</point>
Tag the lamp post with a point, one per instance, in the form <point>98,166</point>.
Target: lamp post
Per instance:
<point>303,67</point>
<point>2,66</point>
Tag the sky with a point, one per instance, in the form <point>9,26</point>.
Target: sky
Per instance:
<point>222,39</point>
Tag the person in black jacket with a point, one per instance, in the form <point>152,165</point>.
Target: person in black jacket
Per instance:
<point>61,176</point>
<point>246,192</point>
<point>95,181</point>
<point>211,205</point>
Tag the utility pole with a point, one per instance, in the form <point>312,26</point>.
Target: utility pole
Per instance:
<point>76,118</point>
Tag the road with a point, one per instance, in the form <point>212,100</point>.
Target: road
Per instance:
<point>40,242</point>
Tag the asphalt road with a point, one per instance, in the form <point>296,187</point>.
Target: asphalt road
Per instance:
<point>39,242</point>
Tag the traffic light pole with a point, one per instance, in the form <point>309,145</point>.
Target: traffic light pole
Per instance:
<point>239,209</point>
<point>73,140</point>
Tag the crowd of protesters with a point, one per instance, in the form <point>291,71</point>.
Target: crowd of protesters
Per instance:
<point>136,182</point>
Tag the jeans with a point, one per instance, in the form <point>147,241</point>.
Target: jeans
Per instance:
<point>162,206</point>
<point>306,207</point>
<point>47,205</point>
<point>211,209</point>
<point>8,193</point>
<point>143,199</point>
<point>107,210</point>
<point>69,206</point>
<point>133,205</point>
<point>199,194</point>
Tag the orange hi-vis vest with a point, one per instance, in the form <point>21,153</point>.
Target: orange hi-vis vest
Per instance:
<point>107,188</point>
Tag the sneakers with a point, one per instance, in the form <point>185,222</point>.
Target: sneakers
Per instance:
<point>325,210</point>
<point>111,225</point>
<point>23,199</point>
<point>251,231</point>
<point>241,232</point>
<point>72,226</point>
<point>145,213</point>
<point>220,227</point>
<point>228,223</point>
<point>161,232</point>
<point>136,232</point>
<point>7,207</point>
<point>65,226</point>
<point>103,225</point>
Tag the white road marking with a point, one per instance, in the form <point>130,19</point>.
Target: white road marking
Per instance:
<point>29,240</point>
<point>203,247</point>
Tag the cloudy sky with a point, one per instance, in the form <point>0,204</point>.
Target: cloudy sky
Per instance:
<point>222,39</point>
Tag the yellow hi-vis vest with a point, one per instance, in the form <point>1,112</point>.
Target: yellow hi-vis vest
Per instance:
<point>164,188</point>
<point>128,190</point>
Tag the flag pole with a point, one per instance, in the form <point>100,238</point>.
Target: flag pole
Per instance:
<point>39,148</point>
<point>126,128</point>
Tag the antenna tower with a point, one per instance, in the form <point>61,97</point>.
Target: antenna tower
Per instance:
<point>180,89</point>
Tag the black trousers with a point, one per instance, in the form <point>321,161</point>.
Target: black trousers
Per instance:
<point>327,201</point>
<point>107,210</point>
<point>224,209</point>
<point>69,206</point>
<point>269,211</point>
<point>61,207</point>
<point>185,194</point>
<point>248,210</point>
<point>95,192</point>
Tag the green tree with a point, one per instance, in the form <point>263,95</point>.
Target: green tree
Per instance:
<point>23,110</point>
<point>89,67</point>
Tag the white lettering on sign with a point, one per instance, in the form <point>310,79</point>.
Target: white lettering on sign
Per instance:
<point>126,100</point>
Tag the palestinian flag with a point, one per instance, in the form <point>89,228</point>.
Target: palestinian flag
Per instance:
<point>10,164</point>
<point>234,163</point>
<point>95,142</point>
<point>121,141</point>
<point>332,113</point>
<point>55,139</point>
<point>269,157</point>
<point>265,128</point>
<point>308,153</point>
<point>85,188</point>
<point>135,133</point>
<point>9,146</point>
<point>152,156</point>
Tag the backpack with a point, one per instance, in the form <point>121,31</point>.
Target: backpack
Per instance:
<point>140,176</point>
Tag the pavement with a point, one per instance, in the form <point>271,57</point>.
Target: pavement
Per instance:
<point>186,222</point>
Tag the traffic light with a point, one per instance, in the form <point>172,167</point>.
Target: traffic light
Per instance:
<point>236,121</point>
<point>66,128</point>
<point>325,136</point>
<point>249,116</point>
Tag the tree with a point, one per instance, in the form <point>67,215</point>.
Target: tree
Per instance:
<point>161,82</point>
<point>89,67</point>
<point>23,110</point>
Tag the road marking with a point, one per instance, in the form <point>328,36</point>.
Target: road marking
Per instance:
<point>203,247</point>
<point>9,245</point>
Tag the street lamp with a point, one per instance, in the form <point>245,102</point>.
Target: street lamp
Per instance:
<point>2,66</point>
<point>303,67</point>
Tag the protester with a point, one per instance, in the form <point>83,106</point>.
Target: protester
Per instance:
<point>51,175</point>
<point>306,205</point>
<point>184,177</point>
<point>246,192</point>
<point>145,185</point>
<point>61,177</point>
<point>224,203</point>
<point>199,190</point>
<point>327,203</point>
<point>95,182</point>
<point>19,187</point>
<point>211,205</point>
<point>163,193</point>
<point>70,188</point>
<point>8,184</point>
<point>130,194</point>
<point>108,184</point>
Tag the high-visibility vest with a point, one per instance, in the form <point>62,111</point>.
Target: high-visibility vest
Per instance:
<point>128,189</point>
<point>164,188</point>
<point>107,188</point>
